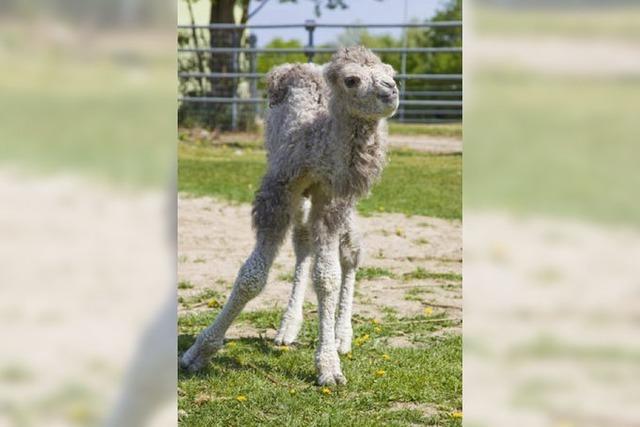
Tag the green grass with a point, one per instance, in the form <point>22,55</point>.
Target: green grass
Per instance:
<point>369,273</point>
<point>415,294</point>
<point>421,273</point>
<point>278,383</point>
<point>207,298</point>
<point>618,23</point>
<point>564,146</point>
<point>413,183</point>
<point>89,122</point>
<point>453,130</point>
<point>185,284</point>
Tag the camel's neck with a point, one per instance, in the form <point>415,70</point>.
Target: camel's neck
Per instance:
<point>351,129</point>
<point>362,145</point>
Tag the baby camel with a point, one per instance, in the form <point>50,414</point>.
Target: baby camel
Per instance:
<point>326,146</point>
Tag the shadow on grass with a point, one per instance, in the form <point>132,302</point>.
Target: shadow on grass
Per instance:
<point>222,363</point>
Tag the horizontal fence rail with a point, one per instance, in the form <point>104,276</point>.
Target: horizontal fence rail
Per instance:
<point>215,99</point>
<point>310,50</point>
<point>423,104</point>
<point>308,24</point>
<point>261,75</point>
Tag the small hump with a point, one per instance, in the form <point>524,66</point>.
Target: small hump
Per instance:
<point>281,78</point>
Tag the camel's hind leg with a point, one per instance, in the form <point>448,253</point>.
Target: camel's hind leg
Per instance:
<point>271,219</point>
<point>293,317</point>
<point>350,253</point>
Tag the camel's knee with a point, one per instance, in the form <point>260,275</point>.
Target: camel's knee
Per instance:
<point>301,238</point>
<point>252,277</point>
<point>350,251</point>
<point>326,272</point>
<point>272,209</point>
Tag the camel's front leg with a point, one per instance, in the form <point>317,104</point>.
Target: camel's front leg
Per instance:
<point>326,281</point>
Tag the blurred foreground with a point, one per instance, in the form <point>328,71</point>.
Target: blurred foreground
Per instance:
<point>86,155</point>
<point>551,290</point>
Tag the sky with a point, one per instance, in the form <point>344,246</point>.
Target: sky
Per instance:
<point>359,11</point>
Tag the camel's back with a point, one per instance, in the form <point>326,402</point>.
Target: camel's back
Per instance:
<point>298,94</point>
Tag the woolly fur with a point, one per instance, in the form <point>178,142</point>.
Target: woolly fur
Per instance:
<point>326,146</point>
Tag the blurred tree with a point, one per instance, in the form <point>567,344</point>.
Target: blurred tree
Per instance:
<point>267,61</point>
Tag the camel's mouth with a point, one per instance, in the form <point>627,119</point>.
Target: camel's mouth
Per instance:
<point>388,98</point>
<point>390,102</point>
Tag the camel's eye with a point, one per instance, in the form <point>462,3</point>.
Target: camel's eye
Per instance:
<point>351,81</point>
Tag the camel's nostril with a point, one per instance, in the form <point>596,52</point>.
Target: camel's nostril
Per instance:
<point>388,84</point>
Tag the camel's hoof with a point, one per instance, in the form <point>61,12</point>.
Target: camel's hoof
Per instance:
<point>287,334</point>
<point>331,379</point>
<point>343,345</point>
<point>278,340</point>
<point>193,365</point>
<point>196,358</point>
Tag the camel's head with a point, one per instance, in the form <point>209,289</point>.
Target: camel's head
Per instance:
<point>362,83</point>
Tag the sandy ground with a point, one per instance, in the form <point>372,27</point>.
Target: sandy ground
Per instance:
<point>556,55</point>
<point>424,143</point>
<point>551,322</point>
<point>427,144</point>
<point>85,269</point>
<point>214,238</point>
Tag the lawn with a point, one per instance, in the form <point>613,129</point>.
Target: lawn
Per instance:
<point>617,23</point>
<point>63,113</point>
<point>452,130</point>
<point>556,145</point>
<point>254,382</point>
<point>413,183</point>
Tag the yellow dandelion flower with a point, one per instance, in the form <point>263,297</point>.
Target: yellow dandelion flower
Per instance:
<point>361,340</point>
<point>380,373</point>
<point>349,356</point>
<point>213,303</point>
<point>326,390</point>
<point>375,321</point>
<point>456,414</point>
<point>386,357</point>
<point>428,311</point>
<point>241,398</point>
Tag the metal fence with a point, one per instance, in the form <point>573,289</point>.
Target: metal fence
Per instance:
<point>438,104</point>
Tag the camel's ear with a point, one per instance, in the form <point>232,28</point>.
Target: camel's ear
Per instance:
<point>389,69</point>
<point>331,74</point>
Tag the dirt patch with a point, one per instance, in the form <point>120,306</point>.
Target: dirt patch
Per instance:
<point>428,144</point>
<point>215,237</point>
<point>423,143</point>
<point>426,410</point>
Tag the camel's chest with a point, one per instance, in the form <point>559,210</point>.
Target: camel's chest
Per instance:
<point>360,169</point>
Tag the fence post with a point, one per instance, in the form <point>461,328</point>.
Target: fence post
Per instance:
<point>234,69</point>
<point>403,83</point>
<point>253,85</point>
<point>310,26</point>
